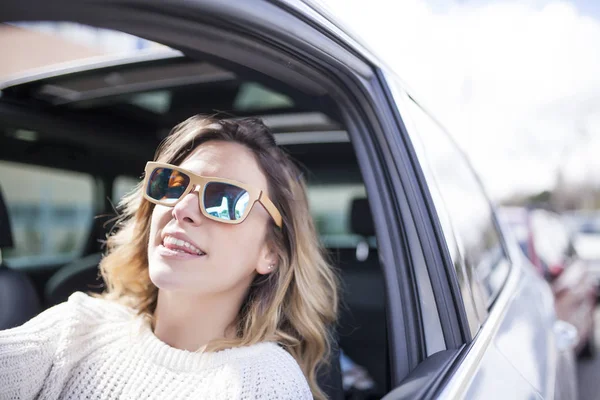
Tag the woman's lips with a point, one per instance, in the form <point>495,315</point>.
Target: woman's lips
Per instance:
<point>179,242</point>
<point>181,248</point>
<point>172,253</point>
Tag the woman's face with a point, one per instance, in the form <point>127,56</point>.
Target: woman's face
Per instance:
<point>230,254</point>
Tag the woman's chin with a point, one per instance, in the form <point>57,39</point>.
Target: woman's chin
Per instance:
<point>165,276</point>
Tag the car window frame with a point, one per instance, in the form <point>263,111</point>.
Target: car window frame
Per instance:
<point>444,277</point>
<point>463,277</point>
<point>490,204</point>
<point>476,283</point>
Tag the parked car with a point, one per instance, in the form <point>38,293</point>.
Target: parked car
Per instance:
<point>586,239</point>
<point>548,243</point>
<point>438,303</point>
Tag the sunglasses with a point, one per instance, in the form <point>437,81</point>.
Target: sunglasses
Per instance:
<point>220,199</point>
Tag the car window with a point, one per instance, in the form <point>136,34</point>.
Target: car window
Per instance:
<point>122,185</point>
<point>462,198</point>
<point>330,206</point>
<point>50,211</point>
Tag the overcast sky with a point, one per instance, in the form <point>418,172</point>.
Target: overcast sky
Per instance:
<point>517,82</point>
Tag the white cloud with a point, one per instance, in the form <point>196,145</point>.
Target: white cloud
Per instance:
<point>515,82</point>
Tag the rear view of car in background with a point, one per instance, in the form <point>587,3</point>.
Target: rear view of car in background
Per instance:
<point>549,245</point>
<point>586,238</point>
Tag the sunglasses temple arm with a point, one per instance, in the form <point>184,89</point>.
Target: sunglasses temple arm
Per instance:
<point>271,209</point>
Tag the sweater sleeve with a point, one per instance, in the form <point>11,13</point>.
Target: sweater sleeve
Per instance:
<point>27,353</point>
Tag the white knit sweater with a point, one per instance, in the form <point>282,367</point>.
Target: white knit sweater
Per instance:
<point>89,348</point>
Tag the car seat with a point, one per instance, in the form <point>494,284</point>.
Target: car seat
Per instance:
<point>19,301</point>
<point>362,331</point>
<point>81,274</point>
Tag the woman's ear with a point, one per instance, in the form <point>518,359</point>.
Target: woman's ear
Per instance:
<point>267,261</point>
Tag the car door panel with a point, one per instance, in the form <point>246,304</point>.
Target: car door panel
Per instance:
<point>523,338</point>
<point>515,354</point>
<point>496,378</point>
<point>523,349</point>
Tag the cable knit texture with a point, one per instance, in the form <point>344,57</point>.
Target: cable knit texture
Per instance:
<point>89,348</point>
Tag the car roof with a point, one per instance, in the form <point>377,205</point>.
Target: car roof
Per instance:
<point>160,89</point>
<point>87,64</point>
<point>316,12</point>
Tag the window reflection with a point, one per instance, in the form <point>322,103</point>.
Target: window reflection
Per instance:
<point>220,211</point>
<point>241,204</point>
<point>463,199</point>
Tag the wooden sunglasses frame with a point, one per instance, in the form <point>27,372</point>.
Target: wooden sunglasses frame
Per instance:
<point>255,194</point>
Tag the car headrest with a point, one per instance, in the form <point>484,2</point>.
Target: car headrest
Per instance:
<point>6,239</point>
<point>361,220</point>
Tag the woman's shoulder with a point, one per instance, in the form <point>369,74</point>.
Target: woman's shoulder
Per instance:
<point>94,321</point>
<point>79,309</point>
<point>277,371</point>
<point>277,354</point>
<point>91,308</point>
<point>64,323</point>
<point>82,311</point>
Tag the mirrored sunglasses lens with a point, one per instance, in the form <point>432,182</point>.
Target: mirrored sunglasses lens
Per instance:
<point>225,201</point>
<point>167,185</point>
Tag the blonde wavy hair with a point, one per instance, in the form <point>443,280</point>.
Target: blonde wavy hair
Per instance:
<point>295,306</point>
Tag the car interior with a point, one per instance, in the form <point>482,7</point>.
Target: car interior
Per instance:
<point>71,145</point>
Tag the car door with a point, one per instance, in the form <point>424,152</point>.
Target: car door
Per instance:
<point>509,308</point>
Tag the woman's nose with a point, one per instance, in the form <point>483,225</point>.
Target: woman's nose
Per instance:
<point>188,208</point>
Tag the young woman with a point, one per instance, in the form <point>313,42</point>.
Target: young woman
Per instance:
<point>216,285</point>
